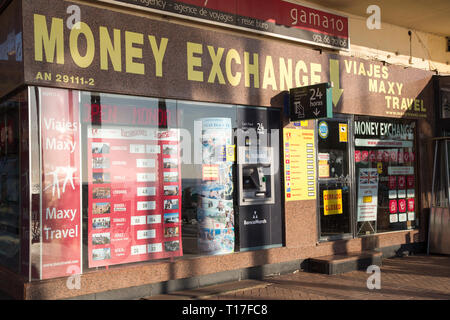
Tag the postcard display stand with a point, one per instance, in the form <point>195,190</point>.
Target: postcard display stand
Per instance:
<point>134,194</point>
<point>216,210</point>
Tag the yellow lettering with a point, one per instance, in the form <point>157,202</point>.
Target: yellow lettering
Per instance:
<point>235,79</point>
<point>107,48</point>
<point>285,74</point>
<point>382,87</point>
<point>192,61</point>
<point>376,71</point>
<point>215,69</point>
<point>404,104</point>
<point>158,53</point>
<point>86,60</point>
<point>269,75</point>
<point>362,70</point>
<point>373,85</point>
<point>416,105</point>
<point>388,102</point>
<point>48,43</point>
<point>251,69</point>
<point>315,69</point>
<point>384,71</point>
<point>348,66</point>
<point>301,66</point>
<point>399,88</point>
<point>132,52</point>
<point>395,103</point>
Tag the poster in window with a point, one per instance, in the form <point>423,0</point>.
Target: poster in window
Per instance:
<point>332,202</point>
<point>392,206</point>
<point>402,205</point>
<point>367,195</point>
<point>401,182</point>
<point>133,192</point>
<point>216,210</point>
<point>61,188</point>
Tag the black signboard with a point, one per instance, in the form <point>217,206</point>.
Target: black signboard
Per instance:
<point>259,217</point>
<point>311,102</point>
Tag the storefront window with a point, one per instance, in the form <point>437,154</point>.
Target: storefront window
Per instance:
<point>129,179</point>
<point>13,186</point>
<point>386,176</point>
<point>334,178</point>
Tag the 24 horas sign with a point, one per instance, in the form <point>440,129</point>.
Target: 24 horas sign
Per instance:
<point>111,51</point>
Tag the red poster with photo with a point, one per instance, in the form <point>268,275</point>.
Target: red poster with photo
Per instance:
<point>134,194</point>
<point>364,155</point>
<point>393,153</point>
<point>372,156</point>
<point>61,195</point>
<point>406,155</point>
<point>411,206</point>
<point>401,205</point>
<point>386,156</point>
<point>401,182</point>
<point>392,182</point>
<point>392,206</point>
<point>379,155</point>
<point>357,156</point>
<point>410,181</point>
<point>400,156</point>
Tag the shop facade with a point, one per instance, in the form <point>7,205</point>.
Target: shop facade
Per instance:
<point>142,151</point>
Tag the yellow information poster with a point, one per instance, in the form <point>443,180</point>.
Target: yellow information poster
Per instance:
<point>343,132</point>
<point>332,202</point>
<point>231,151</point>
<point>299,164</point>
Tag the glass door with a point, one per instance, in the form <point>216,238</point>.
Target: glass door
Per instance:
<point>334,178</point>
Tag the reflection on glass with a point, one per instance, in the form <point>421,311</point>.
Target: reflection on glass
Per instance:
<point>10,182</point>
<point>385,148</point>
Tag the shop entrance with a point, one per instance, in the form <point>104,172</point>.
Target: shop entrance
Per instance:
<point>334,178</point>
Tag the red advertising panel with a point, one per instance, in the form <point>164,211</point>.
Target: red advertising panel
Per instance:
<point>357,156</point>
<point>392,206</point>
<point>401,205</point>
<point>411,205</point>
<point>393,153</point>
<point>379,155</point>
<point>401,182</point>
<point>134,194</point>
<point>280,18</point>
<point>410,181</point>
<point>392,182</point>
<point>364,155</point>
<point>61,196</point>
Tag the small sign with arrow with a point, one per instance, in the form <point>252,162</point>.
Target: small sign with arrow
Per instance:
<point>311,102</point>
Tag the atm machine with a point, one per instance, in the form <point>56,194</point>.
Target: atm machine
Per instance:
<point>259,214</point>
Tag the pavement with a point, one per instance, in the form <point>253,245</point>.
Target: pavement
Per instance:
<point>417,277</point>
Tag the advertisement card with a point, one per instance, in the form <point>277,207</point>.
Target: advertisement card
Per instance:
<point>367,195</point>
